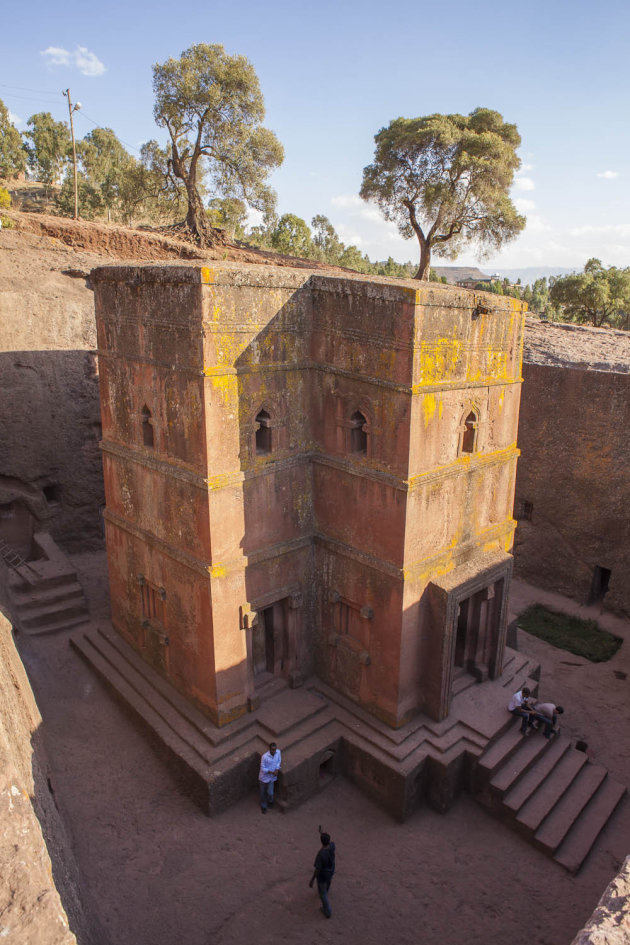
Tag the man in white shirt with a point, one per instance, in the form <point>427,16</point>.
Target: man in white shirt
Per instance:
<point>520,705</point>
<point>269,769</point>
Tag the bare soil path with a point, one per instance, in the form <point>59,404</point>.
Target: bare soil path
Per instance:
<point>156,871</point>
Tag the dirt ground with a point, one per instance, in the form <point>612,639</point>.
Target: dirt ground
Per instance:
<point>156,871</point>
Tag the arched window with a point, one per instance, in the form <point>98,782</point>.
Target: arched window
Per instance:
<point>263,433</point>
<point>358,433</point>
<point>469,436</point>
<point>147,427</point>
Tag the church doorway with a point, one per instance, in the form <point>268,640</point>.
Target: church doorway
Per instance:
<point>467,612</point>
<point>268,642</point>
<point>476,631</point>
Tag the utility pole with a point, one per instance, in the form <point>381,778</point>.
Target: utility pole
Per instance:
<point>74,108</point>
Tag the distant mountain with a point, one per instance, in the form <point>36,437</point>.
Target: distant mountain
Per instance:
<point>527,276</point>
<point>455,274</point>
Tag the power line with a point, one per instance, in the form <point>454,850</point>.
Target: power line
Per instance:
<point>82,114</point>
<point>29,98</point>
<point>21,88</point>
<point>99,125</point>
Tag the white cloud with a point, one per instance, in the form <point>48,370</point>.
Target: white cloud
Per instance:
<point>526,167</point>
<point>15,119</point>
<point>524,183</point>
<point>617,230</point>
<point>80,58</point>
<point>536,224</point>
<point>354,206</point>
<point>608,175</point>
<point>523,205</point>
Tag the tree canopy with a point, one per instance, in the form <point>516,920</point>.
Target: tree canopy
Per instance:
<point>212,107</point>
<point>12,152</point>
<point>49,147</point>
<point>446,179</point>
<point>108,182</point>
<point>597,296</point>
<point>292,236</point>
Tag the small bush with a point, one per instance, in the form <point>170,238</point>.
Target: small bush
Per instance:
<point>5,199</point>
<point>581,637</point>
<point>6,223</point>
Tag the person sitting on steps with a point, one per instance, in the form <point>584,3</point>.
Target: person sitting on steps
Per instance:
<point>521,705</point>
<point>547,713</point>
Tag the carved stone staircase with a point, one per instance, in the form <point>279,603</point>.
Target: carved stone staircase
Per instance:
<point>320,732</point>
<point>548,791</point>
<point>44,594</point>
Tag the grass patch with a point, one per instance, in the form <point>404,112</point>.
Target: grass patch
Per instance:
<point>582,637</point>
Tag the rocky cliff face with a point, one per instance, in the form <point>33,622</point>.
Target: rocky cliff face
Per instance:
<point>30,906</point>
<point>49,406</point>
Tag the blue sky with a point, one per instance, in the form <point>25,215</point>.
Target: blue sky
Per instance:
<point>334,73</point>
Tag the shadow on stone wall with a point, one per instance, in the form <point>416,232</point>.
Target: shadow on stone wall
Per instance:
<point>50,430</point>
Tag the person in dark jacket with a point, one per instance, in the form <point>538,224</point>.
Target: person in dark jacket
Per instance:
<point>324,871</point>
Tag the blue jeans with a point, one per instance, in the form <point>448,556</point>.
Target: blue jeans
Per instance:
<point>527,719</point>
<point>547,722</point>
<point>266,794</point>
<point>322,888</point>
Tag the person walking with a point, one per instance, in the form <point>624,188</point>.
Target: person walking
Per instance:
<point>269,770</point>
<point>324,871</point>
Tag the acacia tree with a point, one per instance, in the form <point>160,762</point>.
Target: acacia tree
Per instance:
<point>212,107</point>
<point>596,296</point>
<point>12,152</point>
<point>446,178</point>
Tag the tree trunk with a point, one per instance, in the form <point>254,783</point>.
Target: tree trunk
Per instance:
<point>197,221</point>
<point>196,217</point>
<point>424,268</point>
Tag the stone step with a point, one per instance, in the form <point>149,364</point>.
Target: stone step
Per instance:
<point>189,724</point>
<point>577,845</point>
<point>148,702</point>
<point>544,799</point>
<point>517,765</point>
<point>518,671</point>
<point>276,722</point>
<point>303,763</point>
<point>499,753</point>
<point>109,643</point>
<point>213,786</point>
<point>557,824</point>
<point>41,577</point>
<point>190,766</point>
<point>548,791</point>
<point>36,597</point>
<point>520,793</point>
<point>41,617</point>
<point>56,626</point>
<point>461,682</point>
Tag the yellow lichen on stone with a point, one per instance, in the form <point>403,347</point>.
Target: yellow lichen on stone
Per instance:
<point>438,362</point>
<point>429,406</point>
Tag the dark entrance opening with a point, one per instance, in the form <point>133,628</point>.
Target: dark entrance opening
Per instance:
<point>327,767</point>
<point>599,585</point>
<point>476,633</point>
<point>460,641</point>
<point>263,643</point>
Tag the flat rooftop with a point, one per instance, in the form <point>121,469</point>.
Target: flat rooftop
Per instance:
<point>576,346</point>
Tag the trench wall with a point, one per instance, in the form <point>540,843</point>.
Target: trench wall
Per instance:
<point>572,484</point>
<point>30,905</point>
